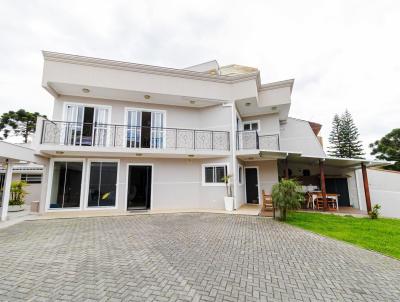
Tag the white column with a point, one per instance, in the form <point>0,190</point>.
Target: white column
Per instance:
<point>6,192</point>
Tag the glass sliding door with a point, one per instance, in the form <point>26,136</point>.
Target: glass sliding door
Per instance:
<point>145,129</point>
<point>66,185</point>
<point>85,126</point>
<point>102,184</point>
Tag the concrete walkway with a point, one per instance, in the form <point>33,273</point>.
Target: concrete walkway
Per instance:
<point>186,257</point>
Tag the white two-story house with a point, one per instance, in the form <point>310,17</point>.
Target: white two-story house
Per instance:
<point>126,136</point>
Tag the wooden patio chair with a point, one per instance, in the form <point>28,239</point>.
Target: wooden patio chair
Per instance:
<point>267,204</point>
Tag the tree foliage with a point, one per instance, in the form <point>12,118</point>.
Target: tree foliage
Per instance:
<point>18,123</point>
<point>286,195</point>
<point>388,148</point>
<point>344,137</point>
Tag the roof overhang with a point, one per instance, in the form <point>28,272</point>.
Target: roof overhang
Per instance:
<point>15,153</point>
<point>345,163</point>
<point>65,74</point>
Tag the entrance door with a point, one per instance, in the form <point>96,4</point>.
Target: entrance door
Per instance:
<point>339,186</point>
<point>251,185</point>
<point>139,187</point>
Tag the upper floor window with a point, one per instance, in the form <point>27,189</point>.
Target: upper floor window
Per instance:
<point>251,126</point>
<point>214,174</point>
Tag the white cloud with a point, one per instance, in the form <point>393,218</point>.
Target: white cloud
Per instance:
<point>343,54</point>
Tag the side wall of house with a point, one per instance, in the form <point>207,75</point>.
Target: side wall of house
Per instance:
<point>384,189</point>
<point>297,136</point>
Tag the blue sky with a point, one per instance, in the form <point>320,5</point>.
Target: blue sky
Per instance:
<point>342,54</point>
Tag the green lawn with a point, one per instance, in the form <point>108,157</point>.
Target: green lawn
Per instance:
<point>381,235</point>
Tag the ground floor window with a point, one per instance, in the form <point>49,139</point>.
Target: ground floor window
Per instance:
<point>32,178</point>
<point>66,185</point>
<point>102,184</point>
<point>240,172</point>
<point>214,173</point>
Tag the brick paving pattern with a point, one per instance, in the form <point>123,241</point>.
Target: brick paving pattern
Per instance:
<point>186,257</point>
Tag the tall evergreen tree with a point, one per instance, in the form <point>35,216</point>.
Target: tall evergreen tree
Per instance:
<point>344,137</point>
<point>352,146</point>
<point>18,123</point>
<point>334,138</point>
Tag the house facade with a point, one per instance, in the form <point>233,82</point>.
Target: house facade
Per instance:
<point>127,136</point>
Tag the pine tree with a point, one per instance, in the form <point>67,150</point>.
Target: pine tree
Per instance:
<point>344,138</point>
<point>349,137</point>
<point>335,148</point>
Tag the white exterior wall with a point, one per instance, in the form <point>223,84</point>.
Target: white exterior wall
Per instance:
<point>384,187</point>
<point>297,136</point>
<point>176,184</point>
<point>216,117</point>
<point>269,123</point>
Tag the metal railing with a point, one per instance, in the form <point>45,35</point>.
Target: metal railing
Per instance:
<point>252,140</point>
<point>107,135</point>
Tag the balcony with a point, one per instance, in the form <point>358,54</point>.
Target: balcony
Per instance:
<point>251,140</point>
<point>132,137</point>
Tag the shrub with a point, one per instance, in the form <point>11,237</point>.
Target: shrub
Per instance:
<point>17,193</point>
<point>286,195</point>
<point>374,213</point>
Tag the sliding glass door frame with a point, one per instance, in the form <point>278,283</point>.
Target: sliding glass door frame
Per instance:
<point>151,183</point>
<point>154,132</point>
<point>87,177</point>
<point>97,127</point>
<point>51,179</point>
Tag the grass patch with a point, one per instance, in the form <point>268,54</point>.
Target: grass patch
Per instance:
<point>381,235</point>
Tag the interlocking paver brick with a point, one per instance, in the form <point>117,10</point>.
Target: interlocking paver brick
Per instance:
<point>186,257</point>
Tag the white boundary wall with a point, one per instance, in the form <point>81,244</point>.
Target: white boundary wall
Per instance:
<point>384,188</point>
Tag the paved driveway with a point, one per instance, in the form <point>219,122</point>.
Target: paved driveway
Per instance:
<point>186,257</point>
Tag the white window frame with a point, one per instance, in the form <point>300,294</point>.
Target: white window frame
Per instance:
<point>103,160</point>
<point>32,176</point>
<point>240,175</point>
<point>252,122</point>
<point>50,184</point>
<point>164,112</point>
<point>127,180</point>
<point>203,174</point>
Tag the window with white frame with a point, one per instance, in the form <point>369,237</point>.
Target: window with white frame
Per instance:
<point>32,178</point>
<point>240,173</point>
<point>251,126</point>
<point>214,173</point>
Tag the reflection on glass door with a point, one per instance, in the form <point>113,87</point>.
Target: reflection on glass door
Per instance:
<point>102,184</point>
<point>66,185</point>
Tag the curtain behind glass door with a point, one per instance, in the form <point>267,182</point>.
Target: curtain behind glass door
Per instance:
<point>133,129</point>
<point>157,130</point>
<point>72,130</point>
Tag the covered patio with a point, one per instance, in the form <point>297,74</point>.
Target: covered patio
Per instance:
<point>330,184</point>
